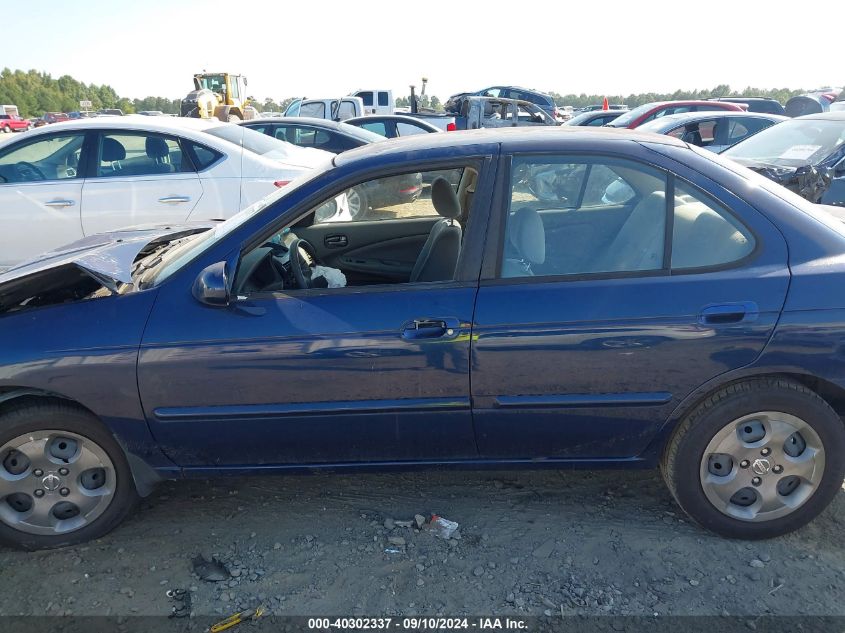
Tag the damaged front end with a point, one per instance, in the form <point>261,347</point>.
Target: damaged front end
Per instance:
<point>808,181</point>
<point>95,267</point>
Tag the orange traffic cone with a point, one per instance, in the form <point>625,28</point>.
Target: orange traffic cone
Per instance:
<point>605,105</point>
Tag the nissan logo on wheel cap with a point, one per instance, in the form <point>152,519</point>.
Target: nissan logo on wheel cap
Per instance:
<point>761,466</point>
<point>51,482</point>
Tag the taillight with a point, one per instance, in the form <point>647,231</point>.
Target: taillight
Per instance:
<point>451,127</point>
<point>281,183</point>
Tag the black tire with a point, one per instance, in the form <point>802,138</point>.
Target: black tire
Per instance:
<point>31,418</point>
<point>684,452</point>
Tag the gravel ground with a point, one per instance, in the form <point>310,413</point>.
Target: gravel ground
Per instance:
<point>530,543</point>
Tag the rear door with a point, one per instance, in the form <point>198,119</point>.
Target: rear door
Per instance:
<point>138,178</point>
<point>582,350</point>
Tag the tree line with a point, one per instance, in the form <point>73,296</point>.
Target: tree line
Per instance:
<point>36,92</point>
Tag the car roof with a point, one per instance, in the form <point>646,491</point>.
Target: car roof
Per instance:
<point>134,122</point>
<point>398,118</point>
<point>543,137</point>
<point>691,117</point>
<point>301,120</point>
<point>836,115</point>
<point>336,126</point>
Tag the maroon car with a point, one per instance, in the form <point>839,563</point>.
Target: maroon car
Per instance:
<point>13,123</point>
<point>55,117</point>
<point>650,111</point>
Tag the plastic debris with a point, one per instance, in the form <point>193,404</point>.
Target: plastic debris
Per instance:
<point>182,603</point>
<point>210,570</point>
<point>392,550</point>
<point>237,618</point>
<point>442,528</point>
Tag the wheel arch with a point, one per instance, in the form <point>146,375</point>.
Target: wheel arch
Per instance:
<point>829,391</point>
<point>144,476</point>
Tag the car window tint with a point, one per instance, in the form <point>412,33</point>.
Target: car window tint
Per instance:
<point>406,129</point>
<point>383,99</point>
<point>377,127</point>
<point>316,110</point>
<point>390,198</point>
<point>52,158</point>
<point>203,156</point>
<point>705,234</point>
<point>138,154</point>
<point>575,217</point>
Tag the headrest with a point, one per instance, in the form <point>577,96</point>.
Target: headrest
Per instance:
<point>445,199</point>
<point>528,235</point>
<point>156,147</point>
<point>112,150</point>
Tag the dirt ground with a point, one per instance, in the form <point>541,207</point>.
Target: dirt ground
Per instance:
<point>531,543</point>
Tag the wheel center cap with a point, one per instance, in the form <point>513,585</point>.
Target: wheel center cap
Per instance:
<point>51,482</point>
<point>761,466</point>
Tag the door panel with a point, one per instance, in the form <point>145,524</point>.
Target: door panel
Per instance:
<point>380,250</point>
<point>37,217</point>
<point>111,203</point>
<point>315,378</point>
<point>591,367</point>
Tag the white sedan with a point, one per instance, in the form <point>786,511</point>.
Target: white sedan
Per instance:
<point>65,181</point>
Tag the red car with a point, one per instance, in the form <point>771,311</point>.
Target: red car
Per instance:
<point>13,123</point>
<point>56,117</point>
<point>650,111</point>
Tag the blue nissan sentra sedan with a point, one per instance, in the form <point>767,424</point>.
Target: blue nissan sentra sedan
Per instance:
<point>558,298</point>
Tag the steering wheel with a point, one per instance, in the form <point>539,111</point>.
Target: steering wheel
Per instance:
<point>302,262</point>
<point>23,167</point>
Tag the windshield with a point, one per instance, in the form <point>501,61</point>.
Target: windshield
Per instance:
<point>215,83</point>
<point>792,143</point>
<point>631,115</point>
<point>193,246</point>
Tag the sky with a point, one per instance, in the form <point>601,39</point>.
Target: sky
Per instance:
<point>327,49</point>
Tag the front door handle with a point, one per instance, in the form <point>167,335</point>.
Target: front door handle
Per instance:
<point>174,199</point>
<point>336,241</point>
<point>728,313</point>
<point>59,203</point>
<point>431,328</point>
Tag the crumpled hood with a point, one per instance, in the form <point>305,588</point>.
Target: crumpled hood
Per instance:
<point>808,181</point>
<point>107,256</point>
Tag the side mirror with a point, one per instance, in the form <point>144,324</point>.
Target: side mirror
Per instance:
<point>212,286</point>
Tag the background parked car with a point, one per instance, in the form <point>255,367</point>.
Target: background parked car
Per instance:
<point>336,137</point>
<point>756,104</point>
<point>81,114</point>
<point>715,131</point>
<point>805,155</point>
<point>329,136</point>
<point>812,103</point>
<point>55,117</point>
<point>595,118</point>
<point>14,123</point>
<point>649,111</point>
<point>541,99</point>
<point>393,125</point>
<point>60,183</point>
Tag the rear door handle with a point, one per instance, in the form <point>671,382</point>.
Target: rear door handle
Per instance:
<point>174,199</point>
<point>59,203</point>
<point>728,313</point>
<point>431,328</point>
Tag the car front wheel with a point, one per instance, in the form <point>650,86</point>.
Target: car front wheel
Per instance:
<point>757,459</point>
<point>63,478</point>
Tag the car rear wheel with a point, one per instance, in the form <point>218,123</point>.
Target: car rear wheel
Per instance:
<point>358,203</point>
<point>757,459</point>
<point>63,477</point>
